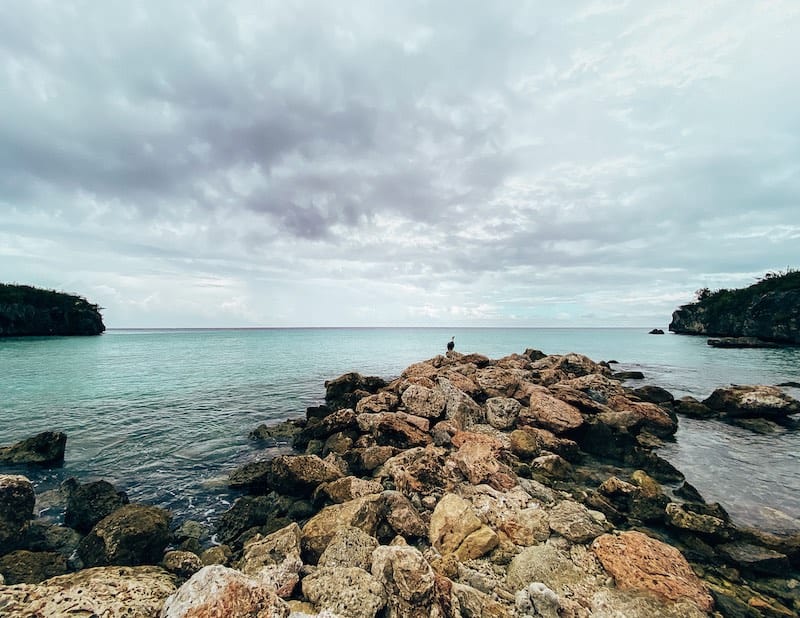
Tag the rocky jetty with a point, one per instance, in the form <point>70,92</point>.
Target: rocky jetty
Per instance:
<point>527,486</point>
<point>768,311</point>
<point>27,311</point>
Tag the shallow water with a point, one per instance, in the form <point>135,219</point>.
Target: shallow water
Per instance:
<point>165,414</point>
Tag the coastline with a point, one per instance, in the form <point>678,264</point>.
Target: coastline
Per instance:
<point>571,463</point>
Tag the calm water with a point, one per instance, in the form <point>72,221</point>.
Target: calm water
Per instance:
<point>165,414</point>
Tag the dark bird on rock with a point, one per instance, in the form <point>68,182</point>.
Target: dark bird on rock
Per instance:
<point>451,344</point>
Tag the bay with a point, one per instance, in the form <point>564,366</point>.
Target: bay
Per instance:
<point>165,414</point>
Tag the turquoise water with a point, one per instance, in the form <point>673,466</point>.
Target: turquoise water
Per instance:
<point>164,414</point>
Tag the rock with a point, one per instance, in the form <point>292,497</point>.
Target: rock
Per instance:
<point>216,591</point>
<point>638,562</point>
<point>365,460</point>
<point>407,578</point>
<point>460,407</point>
<point>452,521</point>
<point>528,442</point>
<point>46,449</point>
<point>341,421</point>
<point>42,536</point>
<point>477,544</point>
<point>349,487</point>
<point>689,406</point>
<point>363,513</point>
<point>247,512</point>
<point>476,604</point>
<point>420,470</point>
<point>680,516</point>
<point>552,466</point>
<point>299,475</point>
<point>546,564</point>
<point>278,433</point>
<point>575,522</point>
<point>182,564</point>
<point>132,535</point>
<point>499,382</point>
<point>252,477</point>
<point>654,394</point>
<point>549,413</point>
<point>385,401</point>
<point>343,392</point>
<point>274,559</point>
<point>16,508</point>
<point>502,412</point>
<point>395,431</point>
<point>401,515</point>
<point>349,547</point>
<point>628,375</point>
<point>110,592</point>
<point>349,592</point>
<point>656,331</point>
<point>424,402</point>
<point>87,504</point>
<point>755,558</point>
<point>741,342</point>
<point>477,460</point>
<point>762,401</point>
<point>27,567</point>
<point>219,554</point>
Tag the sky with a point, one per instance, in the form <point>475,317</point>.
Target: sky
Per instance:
<point>258,163</point>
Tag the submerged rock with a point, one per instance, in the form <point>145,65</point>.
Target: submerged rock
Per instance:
<point>46,448</point>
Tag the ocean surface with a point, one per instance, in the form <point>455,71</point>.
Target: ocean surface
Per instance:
<point>165,414</point>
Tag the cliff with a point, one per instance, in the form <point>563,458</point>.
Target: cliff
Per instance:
<point>769,310</point>
<point>27,311</point>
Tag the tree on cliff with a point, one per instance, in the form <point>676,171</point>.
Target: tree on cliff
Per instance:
<point>27,311</point>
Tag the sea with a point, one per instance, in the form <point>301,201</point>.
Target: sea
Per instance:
<point>165,414</point>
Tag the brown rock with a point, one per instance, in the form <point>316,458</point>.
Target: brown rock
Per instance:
<point>550,413</point>
<point>422,470</point>
<point>502,412</point>
<point>28,567</point>
<point>762,401</point>
<point>46,448</point>
<point>345,591</point>
<point>499,382</point>
<point>424,402</point>
<point>385,401</point>
<point>476,459</point>
<point>407,577</point>
<point>460,407</point>
<point>349,487</point>
<point>477,544</point>
<point>275,559</point>
<point>394,431</point>
<point>453,520</point>
<point>16,508</point>
<point>363,513</point>
<point>299,475</point>
<point>349,547</point>
<point>401,515</point>
<point>182,564</point>
<point>574,522</point>
<point>638,562</point>
<point>553,466</point>
<point>219,554</point>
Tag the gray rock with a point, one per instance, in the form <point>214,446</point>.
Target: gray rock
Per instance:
<point>349,547</point>
<point>87,504</point>
<point>16,508</point>
<point>575,522</point>
<point>28,567</point>
<point>502,412</point>
<point>349,592</point>
<point>46,448</point>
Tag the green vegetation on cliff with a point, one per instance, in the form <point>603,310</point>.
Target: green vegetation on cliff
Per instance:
<point>768,309</point>
<point>27,311</point>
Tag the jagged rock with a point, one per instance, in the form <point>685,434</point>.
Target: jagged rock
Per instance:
<point>421,470</point>
<point>401,515</point>
<point>549,413</point>
<point>385,401</point>
<point>216,591</point>
<point>274,559</point>
<point>476,604</point>
<point>349,592</point>
<point>638,562</point>
<point>656,331</point>
<point>407,578</point>
<point>552,466</point>
<point>546,564</point>
<point>628,375</point>
<point>755,558</point>
<point>575,522</point>
<point>654,394</point>
<point>761,401</point>
<point>46,448</point>
<point>499,382</point>
<point>16,508</point>
<point>424,402</point>
<point>253,477</point>
<point>182,564</point>
<point>87,504</point>
<point>528,442</point>
<point>366,459</point>
<point>453,520</point>
<point>42,536</point>
<point>299,475</point>
<point>248,512</point>
<point>363,513</point>
<point>477,544</point>
<point>399,432</point>
<point>343,420</point>
<point>502,412</point>
<point>689,406</point>
<point>110,592</point>
<point>680,516</point>
<point>278,433</point>
<point>477,461</point>
<point>349,547</point>
<point>132,535</point>
<point>27,567</point>
<point>460,407</point>
<point>346,390</point>
<point>219,554</point>
<point>349,487</point>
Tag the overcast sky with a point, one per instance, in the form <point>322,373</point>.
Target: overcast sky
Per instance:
<point>463,163</point>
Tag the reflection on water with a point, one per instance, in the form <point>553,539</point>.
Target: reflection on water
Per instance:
<point>165,415</point>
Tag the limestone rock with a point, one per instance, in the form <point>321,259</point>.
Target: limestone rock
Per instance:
<point>278,433</point>
<point>274,559</point>
<point>422,470</point>
<point>689,406</point>
<point>680,516</point>
<point>424,402</point>
<point>216,591</point>
<point>363,513</point>
<point>477,544</point>
<point>502,412</point>
<point>16,508</point>
<point>499,382</point>
<point>110,592</point>
<point>247,512</point>
<point>28,567</point>
<point>349,592</point>
<point>638,562</point>
<point>350,487</point>
<point>219,554</point>
<point>575,522</point>
<point>401,515</point>
<point>132,535</point>
<point>553,466</point>
<point>476,458</point>
<point>550,413</point>
<point>762,401</point>
<point>755,558</point>
<point>453,520</point>
<point>344,420</point>
<point>529,442</point>
<point>346,390</point>
<point>46,448</point>
<point>396,430</point>
<point>299,475</point>
<point>546,564</point>
<point>460,407</point>
<point>407,578</point>
<point>42,536</point>
<point>349,547</point>
<point>385,401</point>
<point>473,603</point>
<point>182,564</point>
<point>87,504</point>
<point>654,394</point>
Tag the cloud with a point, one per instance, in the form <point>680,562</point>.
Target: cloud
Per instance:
<point>396,163</point>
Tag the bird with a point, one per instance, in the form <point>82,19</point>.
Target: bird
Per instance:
<point>451,344</point>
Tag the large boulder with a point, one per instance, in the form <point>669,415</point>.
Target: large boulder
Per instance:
<point>639,562</point>
<point>87,504</point>
<point>110,592</point>
<point>299,475</point>
<point>502,412</point>
<point>346,390</point>
<point>453,520</point>
<point>219,591</point>
<point>407,577</point>
<point>275,559</point>
<point>749,401</point>
<point>349,547</point>
<point>364,513</point>
<point>549,413</point>
<point>132,535</point>
<point>16,508</point>
<point>425,402</point>
<point>460,407</point>
<point>28,567</point>
<point>345,591</point>
<point>46,448</point>
<point>575,522</point>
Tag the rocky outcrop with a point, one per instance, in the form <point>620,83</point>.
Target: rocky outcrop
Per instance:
<point>768,310</point>
<point>46,448</point>
<point>27,311</point>
<point>750,401</point>
<point>16,508</point>
<point>87,504</point>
